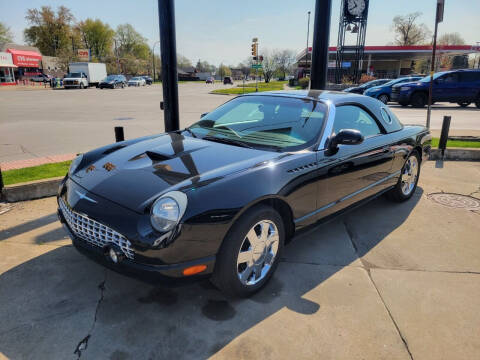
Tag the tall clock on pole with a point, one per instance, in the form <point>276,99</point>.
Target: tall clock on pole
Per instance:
<point>353,18</point>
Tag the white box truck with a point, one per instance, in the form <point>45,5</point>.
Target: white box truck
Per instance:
<point>83,74</point>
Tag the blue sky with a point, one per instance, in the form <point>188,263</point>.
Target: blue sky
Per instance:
<point>221,30</point>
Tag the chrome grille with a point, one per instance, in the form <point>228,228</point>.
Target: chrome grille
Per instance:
<point>93,232</point>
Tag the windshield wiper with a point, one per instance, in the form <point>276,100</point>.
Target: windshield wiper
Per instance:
<point>227,141</point>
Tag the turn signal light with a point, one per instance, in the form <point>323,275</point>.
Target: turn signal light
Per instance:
<point>192,270</point>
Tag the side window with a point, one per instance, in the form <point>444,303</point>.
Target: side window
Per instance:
<point>470,76</point>
<point>450,78</point>
<point>353,117</point>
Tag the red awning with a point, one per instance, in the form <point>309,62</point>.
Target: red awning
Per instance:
<point>25,58</point>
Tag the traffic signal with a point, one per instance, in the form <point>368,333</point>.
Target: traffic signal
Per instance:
<point>254,58</point>
<point>254,49</point>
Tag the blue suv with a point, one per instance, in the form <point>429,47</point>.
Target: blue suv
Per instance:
<point>456,86</point>
<point>383,92</point>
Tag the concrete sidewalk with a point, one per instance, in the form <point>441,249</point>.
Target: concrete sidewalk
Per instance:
<point>387,281</point>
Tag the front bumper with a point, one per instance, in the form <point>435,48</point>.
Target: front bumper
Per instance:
<point>170,274</point>
<point>186,247</point>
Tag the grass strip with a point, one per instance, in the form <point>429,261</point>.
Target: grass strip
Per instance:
<point>39,172</point>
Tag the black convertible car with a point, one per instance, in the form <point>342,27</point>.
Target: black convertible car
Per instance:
<point>220,198</point>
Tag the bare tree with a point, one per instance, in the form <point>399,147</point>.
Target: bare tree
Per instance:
<point>285,60</point>
<point>451,39</point>
<point>6,34</point>
<point>269,65</point>
<point>408,31</point>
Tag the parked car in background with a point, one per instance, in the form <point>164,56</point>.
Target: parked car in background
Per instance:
<point>41,78</point>
<point>227,80</point>
<point>383,92</point>
<point>210,80</point>
<point>75,80</point>
<point>361,88</point>
<point>137,81</point>
<point>181,205</point>
<point>456,86</point>
<point>148,80</point>
<point>113,82</point>
<point>95,72</point>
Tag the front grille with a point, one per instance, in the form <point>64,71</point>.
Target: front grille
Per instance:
<point>70,82</point>
<point>93,232</point>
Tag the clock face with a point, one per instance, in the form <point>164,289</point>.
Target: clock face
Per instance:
<point>356,7</point>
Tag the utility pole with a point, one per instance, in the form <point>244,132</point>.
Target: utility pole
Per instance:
<point>321,34</point>
<point>308,34</point>
<point>438,19</point>
<point>168,50</point>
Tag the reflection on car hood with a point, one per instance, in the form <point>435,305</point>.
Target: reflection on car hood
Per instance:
<point>136,174</point>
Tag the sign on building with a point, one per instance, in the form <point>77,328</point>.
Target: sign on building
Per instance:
<point>83,54</point>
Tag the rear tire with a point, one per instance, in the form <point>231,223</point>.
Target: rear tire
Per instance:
<point>407,182</point>
<point>477,103</point>
<point>82,86</point>
<point>403,104</point>
<point>384,98</point>
<point>418,100</point>
<point>464,104</point>
<point>257,237</point>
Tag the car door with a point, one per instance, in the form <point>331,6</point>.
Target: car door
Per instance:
<point>447,88</point>
<point>467,86</point>
<point>354,172</point>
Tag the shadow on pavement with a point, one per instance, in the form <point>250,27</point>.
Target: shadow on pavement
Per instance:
<point>52,302</point>
<point>28,226</point>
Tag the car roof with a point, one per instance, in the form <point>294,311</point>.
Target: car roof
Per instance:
<point>336,97</point>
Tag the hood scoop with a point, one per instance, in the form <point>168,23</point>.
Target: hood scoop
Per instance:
<point>157,156</point>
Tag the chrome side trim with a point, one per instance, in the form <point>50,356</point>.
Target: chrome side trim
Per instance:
<point>346,197</point>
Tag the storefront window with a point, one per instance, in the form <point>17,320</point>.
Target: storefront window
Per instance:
<point>6,75</point>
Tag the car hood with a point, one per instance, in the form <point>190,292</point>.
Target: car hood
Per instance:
<point>135,175</point>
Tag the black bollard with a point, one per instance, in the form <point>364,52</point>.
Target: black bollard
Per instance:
<point>119,136</point>
<point>442,144</point>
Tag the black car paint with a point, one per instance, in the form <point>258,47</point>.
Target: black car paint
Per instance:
<point>223,181</point>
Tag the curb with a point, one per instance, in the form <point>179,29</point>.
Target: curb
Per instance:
<point>44,188</point>
<point>31,190</point>
<point>456,154</point>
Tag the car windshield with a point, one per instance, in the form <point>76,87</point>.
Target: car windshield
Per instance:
<point>74,75</point>
<point>110,78</point>
<point>136,78</point>
<point>427,78</point>
<point>274,122</point>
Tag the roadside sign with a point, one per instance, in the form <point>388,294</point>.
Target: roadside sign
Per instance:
<point>440,7</point>
<point>256,66</point>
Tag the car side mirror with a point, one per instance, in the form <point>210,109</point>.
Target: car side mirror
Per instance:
<point>204,114</point>
<point>345,137</point>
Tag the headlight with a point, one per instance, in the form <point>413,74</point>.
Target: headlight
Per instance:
<point>167,210</point>
<point>75,163</point>
<point>404,88</point>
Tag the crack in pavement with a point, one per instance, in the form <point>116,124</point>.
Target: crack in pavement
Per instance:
<point>83,344</point>
<point>368,266</point>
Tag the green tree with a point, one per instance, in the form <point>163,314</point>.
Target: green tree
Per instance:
<point>204,66</point>
<point>183,62</point>
<point>96,36</point>
<point>131,42</point>
<point>451,39</point>
<point>6,35</point>
<point>50,32</point>
<point>408,31</point>
<point>224,70</point>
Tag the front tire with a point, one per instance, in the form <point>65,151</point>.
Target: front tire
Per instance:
<point>407,183</point>
<point>419,100</point>
<point>464,104</point>
<point>250,252</point>
<point>384,98</point>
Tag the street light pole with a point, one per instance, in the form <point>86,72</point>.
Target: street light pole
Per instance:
<point>308,34</point>
<point>168,53</point>
<point>321,34</point>
<point>438,18</point>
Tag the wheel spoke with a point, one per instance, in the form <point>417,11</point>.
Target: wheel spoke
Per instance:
<point>252,237</point>
<point>258,271</point>
<point>273,238</point>
<point>245,275</point>
<point>269,257</point>
<point>245,257</point>
<point>264,231</point>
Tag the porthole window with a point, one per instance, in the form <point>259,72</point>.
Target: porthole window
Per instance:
<point>386,116</point>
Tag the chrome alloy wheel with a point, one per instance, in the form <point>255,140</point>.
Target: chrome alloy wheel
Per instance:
<point>409,175</point>
<point>258,252</point>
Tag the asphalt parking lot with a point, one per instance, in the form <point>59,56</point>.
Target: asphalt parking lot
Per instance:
<point>51,122</point>
<point>385,281</point>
